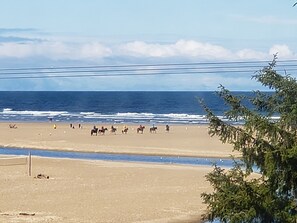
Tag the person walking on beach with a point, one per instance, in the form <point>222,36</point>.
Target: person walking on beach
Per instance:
<point>167,128</point>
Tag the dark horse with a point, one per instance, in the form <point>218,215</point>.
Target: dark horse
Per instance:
<point>94,131</point>
<point>102,130</point>
<point>113,129</point>
<point>140,129</point>
<point>153,129</point>
<point>125,130</point>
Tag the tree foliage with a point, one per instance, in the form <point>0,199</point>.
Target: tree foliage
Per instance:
<point>267,143</point>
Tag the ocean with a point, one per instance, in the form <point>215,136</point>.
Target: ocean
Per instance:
<point>109,107</point>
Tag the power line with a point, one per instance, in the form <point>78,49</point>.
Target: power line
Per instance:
<point>129,74</point>
<point>129,70</point>
<point>149,65</point>
<point>139,70</point>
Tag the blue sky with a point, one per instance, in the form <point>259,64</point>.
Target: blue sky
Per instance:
<point>55,33</point>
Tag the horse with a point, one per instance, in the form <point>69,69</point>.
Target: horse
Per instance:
<point>140,129</point>
<point>153,129</point>
<point>102,130</point>
<point>125,130</point>
<point>94,131</point>
<point>113,129</point>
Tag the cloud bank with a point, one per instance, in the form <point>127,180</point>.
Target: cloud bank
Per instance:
<point>92,51</point>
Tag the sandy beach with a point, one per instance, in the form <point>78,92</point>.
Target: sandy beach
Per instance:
<point>181,140</point>
<point>101,191</point>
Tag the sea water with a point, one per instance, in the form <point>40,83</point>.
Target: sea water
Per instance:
<point>110,107</point>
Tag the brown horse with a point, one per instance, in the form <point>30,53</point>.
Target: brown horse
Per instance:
<point>140,129</point>
<point>153,129</point>
<point>125,130</point>
<point>102,130</point>
<point>113,129</point>
<point>94,131</point>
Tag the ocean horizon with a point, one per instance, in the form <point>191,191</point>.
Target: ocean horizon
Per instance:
<point>148,107</point>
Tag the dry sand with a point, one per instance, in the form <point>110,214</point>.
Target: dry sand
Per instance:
<point>99,191</point>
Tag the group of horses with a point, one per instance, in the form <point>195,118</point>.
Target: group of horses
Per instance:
<point>140,129</point>
<point>95,130</point>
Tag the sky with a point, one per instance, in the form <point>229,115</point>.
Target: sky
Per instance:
<point>74,33</point>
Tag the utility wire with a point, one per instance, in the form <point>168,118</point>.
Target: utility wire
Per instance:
<point>139,70</point>
<point>129,74</point>
<point>128,70</point>
<point>135,69</point>
<point>149,65</point>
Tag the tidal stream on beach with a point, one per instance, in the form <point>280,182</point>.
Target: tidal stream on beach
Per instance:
<point>181,160</point>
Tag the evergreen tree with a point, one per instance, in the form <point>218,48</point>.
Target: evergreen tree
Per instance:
<point>262,141</point>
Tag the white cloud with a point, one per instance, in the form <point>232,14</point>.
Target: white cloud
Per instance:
<point>94,50</point>
<point>185,49</point>
<point>251,54</point>
<point>190,49</point>
<point>139,48</point>
<point>202,50</point>
<point>53,50</point>
<point>15,50</point>
<point>182,48</point>
<point>282,51</point>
